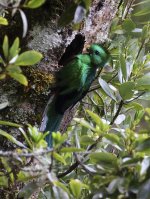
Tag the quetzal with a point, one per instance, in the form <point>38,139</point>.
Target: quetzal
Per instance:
<point>72,83</point>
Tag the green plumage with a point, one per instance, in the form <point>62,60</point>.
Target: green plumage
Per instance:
<point>72,83</point>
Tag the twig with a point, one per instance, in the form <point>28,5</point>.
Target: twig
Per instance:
<point>97,87</point>
<point>117,113</point>
<point>135,97</point>
<point>76,164</point>
<point>128,6</point>
<point>142,44</point>
<point>99,72</point>
<point>71,168</point>
<point>82,165</point>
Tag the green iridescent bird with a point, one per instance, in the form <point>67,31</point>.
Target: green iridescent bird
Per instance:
<point>72,84</point>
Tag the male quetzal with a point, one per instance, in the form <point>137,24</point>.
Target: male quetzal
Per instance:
<point>72,83</point>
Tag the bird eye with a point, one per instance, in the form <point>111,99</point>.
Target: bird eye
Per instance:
<point>97,52</point>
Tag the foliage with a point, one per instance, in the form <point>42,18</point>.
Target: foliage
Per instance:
<point>11,61</point>
<point>107,153</point>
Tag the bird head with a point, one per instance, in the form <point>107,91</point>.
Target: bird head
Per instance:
<point>99,55</point>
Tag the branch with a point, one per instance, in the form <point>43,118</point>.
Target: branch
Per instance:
<point>71,168</point>
<point>82,164</point>
<point>77,163</point>
<point>135,97</point>
<point>127,9</point>
<point>27,155</point>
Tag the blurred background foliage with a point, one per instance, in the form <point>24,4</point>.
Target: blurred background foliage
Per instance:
<point>105,151</point>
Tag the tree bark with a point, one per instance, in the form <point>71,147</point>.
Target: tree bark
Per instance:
<point>26,105</point>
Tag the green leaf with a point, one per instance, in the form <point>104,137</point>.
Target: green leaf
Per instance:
<point>128,25</point>
<point>145,32</point>
<point>76,187</point>
<point>84,123</point>
<point>20,78</point>
<point>34,3</point>
<point>105,159</point>
<point>28,58</point>
<point>86,140</point>
<point>8,168</point>
<point>144,190</point>
<point>134,105</point>
<point>26,137</point>
<point>147,110</point>
<point>87,4</point>
<point>142,2</point>
<point>35,135</point>
<point>113,186</point>
<point>107,89</point>
<point>13,69</point>
<point>62,186</point>
<point>71,149</point>
<point>1,60</point>
<point>11,138</point>
<point>143,82</point>
<point>24,176</point>
<point>14,50</point>
<point>123,66</point>
<point>58,138</point>
<point>6,123</point>
<point>59,158</point>
<point>145,164</point>
<point>103,127</point>
<point>128,162</point>
<point>126,90</point>
<point>144,146</point>
<point>5,46</point>
<point>114,140</point>
<point>3,21</point>
<point>68,16</point>
<point>95,118</point>
<point>97,99</point>
<point>142,12</point>
<point>3,180</point>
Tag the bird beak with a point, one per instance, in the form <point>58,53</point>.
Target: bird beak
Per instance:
<point>86,49</point>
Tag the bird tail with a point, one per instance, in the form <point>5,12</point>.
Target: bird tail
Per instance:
<point>51,120</point>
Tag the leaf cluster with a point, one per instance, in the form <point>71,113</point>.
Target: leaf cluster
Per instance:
<point>11,61</point>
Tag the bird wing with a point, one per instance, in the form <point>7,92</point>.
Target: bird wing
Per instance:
<point>72,77</point>
<point>72,83</point>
